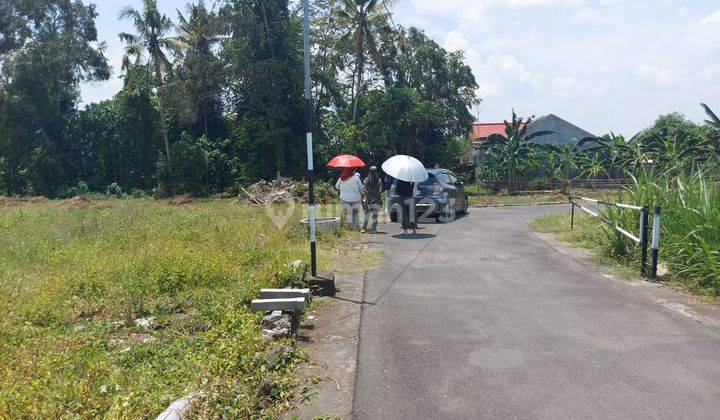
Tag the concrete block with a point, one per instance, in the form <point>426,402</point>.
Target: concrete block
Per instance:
<point>285,304</point>
<point>283,293</point>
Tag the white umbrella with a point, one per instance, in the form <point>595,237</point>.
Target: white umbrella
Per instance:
<point>405,168</point>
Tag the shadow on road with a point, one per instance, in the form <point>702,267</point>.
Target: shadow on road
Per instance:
<point>414,236</point>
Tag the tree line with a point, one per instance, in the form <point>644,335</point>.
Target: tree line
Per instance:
<point>212,96</point>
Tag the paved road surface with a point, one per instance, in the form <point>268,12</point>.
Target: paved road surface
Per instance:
<point>481,319</point>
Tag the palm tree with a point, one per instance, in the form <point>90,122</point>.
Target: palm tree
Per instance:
<point>513,148</point>
<point>364,17</point>
<point>197,35</point>
<point>151,39</point>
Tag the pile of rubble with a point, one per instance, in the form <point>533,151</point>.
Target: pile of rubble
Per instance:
<point>286,189</point>
<point>281,189</point>
<point>276,325</point>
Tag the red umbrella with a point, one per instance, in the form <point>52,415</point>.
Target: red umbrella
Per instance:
<point>346,161</point>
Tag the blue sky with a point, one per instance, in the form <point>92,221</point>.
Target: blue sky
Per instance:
<point>604,65</point>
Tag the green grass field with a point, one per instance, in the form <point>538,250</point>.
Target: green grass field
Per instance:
<point>75,275</point>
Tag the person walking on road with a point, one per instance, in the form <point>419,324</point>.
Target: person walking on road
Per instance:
<point>351,189</point>
<point>373,199</point>
<point>406,194</point>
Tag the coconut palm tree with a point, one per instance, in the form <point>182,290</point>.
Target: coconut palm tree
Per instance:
<point>514,147</point>
<point>152,39</point>
<point>364,18</point>
<point>203,72</point>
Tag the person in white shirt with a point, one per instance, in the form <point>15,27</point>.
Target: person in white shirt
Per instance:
<point>351,189</point>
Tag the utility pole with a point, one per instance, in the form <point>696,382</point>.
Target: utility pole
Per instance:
<point>308,135</point>
<point>321,285</point>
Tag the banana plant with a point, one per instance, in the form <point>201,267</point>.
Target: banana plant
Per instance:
<point>511,150</point>
<point>569,159</point>
<point>618,153</point>
<point>712,141</point>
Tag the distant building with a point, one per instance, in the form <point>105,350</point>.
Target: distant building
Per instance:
<point>564,133</point>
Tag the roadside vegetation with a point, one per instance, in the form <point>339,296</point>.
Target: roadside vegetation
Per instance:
<point>676,165</point>
<point>479,196</point>
<point>77,275</point>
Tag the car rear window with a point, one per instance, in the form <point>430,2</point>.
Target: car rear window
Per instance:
<point>430,181</point>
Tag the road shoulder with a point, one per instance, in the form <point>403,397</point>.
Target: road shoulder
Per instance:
<point>330,336</point>
<point>668,296</point>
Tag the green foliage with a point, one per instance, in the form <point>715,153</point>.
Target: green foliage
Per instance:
<point>690,229</point>
<point>232,79</point>
<point>363,19</point>
<point>188,170</point>
<point>39,87</point>
<point>264,54</point>
<point>195,94</point>
<point>671,164</point>
<point>80,190</point>
<point>151,41</point>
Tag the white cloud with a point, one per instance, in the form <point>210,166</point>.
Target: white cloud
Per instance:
<point>592,62</point>
<point>506,64</point>
<point>711,72</point>
<point>661,76</point>
<point>712,19</point>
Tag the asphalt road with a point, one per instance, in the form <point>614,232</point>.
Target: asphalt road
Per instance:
<point>479,318</point>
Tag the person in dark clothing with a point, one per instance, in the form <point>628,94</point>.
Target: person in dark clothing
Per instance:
<point>388,182</point>
<point>373,199</point>
<point>406,194</point>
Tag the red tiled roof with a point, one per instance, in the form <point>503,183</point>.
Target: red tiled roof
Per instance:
<point>483,131</point>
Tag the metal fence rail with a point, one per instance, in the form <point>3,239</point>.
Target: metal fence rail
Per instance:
<point>555,184</point>
<point>641,239</point>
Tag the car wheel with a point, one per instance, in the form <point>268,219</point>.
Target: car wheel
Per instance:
<point>466,207</point>
<point>443,217</point>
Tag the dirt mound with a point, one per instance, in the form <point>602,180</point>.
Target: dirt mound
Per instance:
<point>79,202</point>
<point>37,200</point>
<point>179,200</point>
<point>6,202</point>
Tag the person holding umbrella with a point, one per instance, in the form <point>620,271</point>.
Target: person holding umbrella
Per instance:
<point>350,186</point>
<point>408,171</point>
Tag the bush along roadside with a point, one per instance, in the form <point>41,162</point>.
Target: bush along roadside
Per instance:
<point>690,228</point>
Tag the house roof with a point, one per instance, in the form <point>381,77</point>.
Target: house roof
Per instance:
<point>563,131</point>
<point>484,130</point>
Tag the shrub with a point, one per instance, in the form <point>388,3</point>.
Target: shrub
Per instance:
<point>690,224</point>
<point>187,170</point>
<point>114,190</point>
